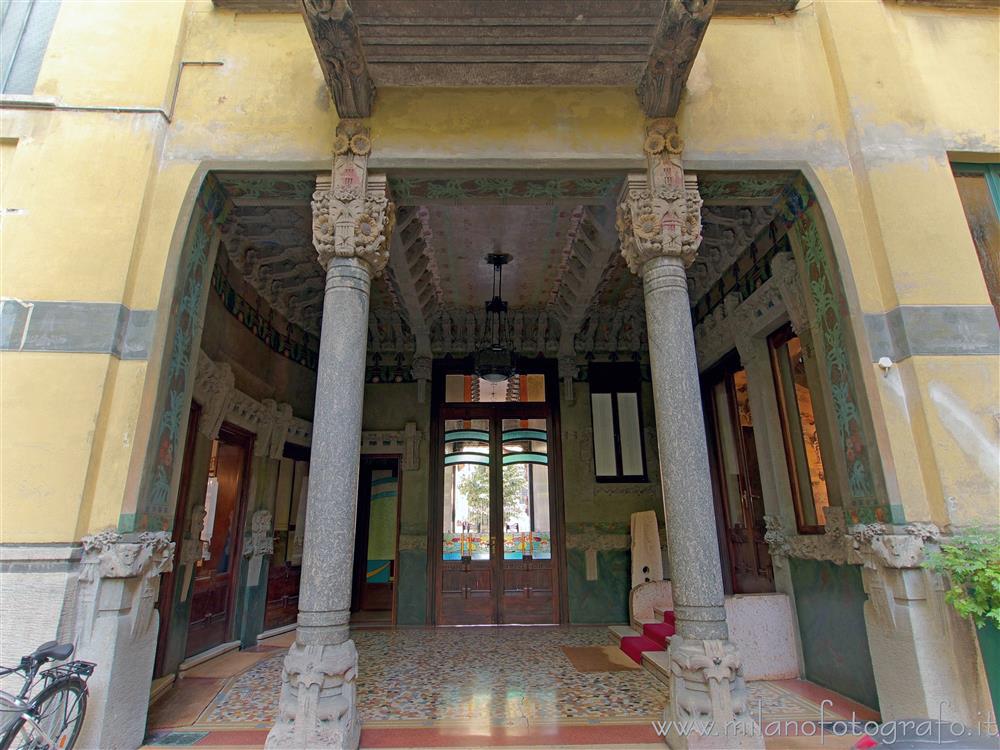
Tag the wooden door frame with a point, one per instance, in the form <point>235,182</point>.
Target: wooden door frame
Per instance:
<point>168,583</point>
<point>557,520</point>
<point>230,433</point>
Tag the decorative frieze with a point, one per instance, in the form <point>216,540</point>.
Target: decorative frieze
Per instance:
<point>405,441</point>
<point>832,545</point>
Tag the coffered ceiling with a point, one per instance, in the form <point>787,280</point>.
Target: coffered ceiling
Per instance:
<point>568,287</point>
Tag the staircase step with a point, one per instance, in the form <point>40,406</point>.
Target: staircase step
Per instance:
<point>636,645</point>
<point>621,631</point>
<point>658,664</point>
<point>659,632</point>
<point>664,615</point>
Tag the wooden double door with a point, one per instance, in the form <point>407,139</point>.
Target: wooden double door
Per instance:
<point>496,558</point>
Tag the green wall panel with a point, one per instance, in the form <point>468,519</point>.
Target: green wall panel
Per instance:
<point>829,601</point>
<point>604,600</point>
<point>411,601</point>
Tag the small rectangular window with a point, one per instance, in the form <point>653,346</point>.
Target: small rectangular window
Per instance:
<point>798,426</point>
<point>616,416</point>
<point>25,27</point>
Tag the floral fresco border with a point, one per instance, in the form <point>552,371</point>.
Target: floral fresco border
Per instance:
<point>153,511</point>
<point>866,503</point>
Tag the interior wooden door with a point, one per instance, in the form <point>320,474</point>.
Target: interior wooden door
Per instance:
<point>497,564</point>
<point>213,587</point>
<point>737,479</point>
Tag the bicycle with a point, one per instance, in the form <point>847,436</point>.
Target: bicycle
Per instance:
<point>51,719</point>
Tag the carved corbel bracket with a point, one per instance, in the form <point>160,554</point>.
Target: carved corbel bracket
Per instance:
<point>337,41</point>
<point>214,389</point>
<point>831,545</point>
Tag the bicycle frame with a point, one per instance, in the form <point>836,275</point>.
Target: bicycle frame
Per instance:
<point>25,708</point>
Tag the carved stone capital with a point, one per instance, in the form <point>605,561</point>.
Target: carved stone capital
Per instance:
<point>881,545</point>
<point>318,702</point>
<point>337,40</point>
<point>660,221</point>
<point>707,684</point>
<point>274,421</point>
<point>136,563</point>
<point>353,216</point>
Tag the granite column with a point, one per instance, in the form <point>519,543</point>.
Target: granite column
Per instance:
<point>352,218</point>
<point>659,222</point>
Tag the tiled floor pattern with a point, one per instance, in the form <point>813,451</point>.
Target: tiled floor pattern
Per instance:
<point>462,687</point>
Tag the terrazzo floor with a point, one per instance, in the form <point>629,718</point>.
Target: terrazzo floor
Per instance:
<point>465,687</point>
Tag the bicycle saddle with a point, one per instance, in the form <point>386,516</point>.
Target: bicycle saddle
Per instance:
<point>52,650</point>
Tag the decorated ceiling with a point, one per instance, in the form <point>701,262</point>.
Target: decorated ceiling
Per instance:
<point>569,290</point>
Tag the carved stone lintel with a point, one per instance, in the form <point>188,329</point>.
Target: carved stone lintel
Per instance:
<point>108,555</point>
<point>317,707</point>
<point>675,46</point>
<point>352,214</point>
<point>659,213</point>
<point>337,39</point>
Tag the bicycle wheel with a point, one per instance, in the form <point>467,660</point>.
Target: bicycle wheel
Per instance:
<point>58,711</point>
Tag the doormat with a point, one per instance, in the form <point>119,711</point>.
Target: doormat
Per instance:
<point>599,659</point>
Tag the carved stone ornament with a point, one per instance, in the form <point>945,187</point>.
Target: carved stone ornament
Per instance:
<point>192,547</point>
<point>261,540</point>
<point>273,423</point>
<point>352,214</point>
<point>877,544</point>
<point>706,683</point>
<point>659,214</point>
<point>421,368</point>
<point>317,707</point>
<point>335,35</point>
<point>214,389</point>
<point>108,555</point>
<point>832,545</point>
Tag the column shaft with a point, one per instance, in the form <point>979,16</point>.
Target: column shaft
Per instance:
<point>684,473</point>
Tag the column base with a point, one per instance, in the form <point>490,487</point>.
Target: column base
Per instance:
<point>318,703</point>
<point>709,703</point>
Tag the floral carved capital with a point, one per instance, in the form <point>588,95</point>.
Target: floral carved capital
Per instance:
<point>353,216</point>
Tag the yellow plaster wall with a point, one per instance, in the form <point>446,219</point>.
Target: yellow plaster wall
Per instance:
<point>49,414</point>
<point>864,96</point>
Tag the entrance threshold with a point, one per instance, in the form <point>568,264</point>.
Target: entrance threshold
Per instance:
<point>194,661</point>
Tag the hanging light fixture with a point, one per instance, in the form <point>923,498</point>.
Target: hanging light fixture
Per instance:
<point>495,358</point>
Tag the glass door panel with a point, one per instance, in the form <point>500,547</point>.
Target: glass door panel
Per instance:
<point>466,489</point>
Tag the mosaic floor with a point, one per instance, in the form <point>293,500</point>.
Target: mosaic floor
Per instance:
<point>458,687</point>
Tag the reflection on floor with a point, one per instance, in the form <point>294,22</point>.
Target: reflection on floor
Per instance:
<point>467,687</point>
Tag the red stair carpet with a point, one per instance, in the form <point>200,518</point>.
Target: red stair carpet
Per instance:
<point>655,637</point>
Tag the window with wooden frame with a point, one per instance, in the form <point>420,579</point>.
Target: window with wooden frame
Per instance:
<point>979,189</point>
<point>616,418</point>
<point>806,472</point>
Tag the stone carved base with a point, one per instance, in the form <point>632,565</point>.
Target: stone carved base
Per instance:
<point>318,703</point>
<point>709,703</point>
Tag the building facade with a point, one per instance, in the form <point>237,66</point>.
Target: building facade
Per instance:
<point>753,287</point>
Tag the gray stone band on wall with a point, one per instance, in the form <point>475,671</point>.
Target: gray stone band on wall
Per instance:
<point>82,327</point>
<point>933,330</point>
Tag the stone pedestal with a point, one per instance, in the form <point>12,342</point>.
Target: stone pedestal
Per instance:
<point>352,218</point>
<point>117,625</point>
<point>659,222</point>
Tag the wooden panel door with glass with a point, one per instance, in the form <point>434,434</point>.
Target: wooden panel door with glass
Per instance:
<point>496,563</point>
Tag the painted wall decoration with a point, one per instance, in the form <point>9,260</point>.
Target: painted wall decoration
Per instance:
<point>418,189</point>
<point>154,507</point>
<point>867,502</point>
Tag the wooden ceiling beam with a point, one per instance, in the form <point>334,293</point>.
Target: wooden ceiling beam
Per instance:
<point>334,32</point>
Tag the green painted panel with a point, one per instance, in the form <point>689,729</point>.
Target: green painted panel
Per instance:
<point>411,599</point>
<point>829,601</point>
<point>604,600</point>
